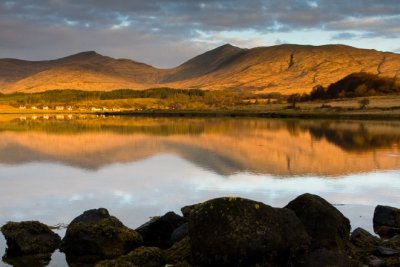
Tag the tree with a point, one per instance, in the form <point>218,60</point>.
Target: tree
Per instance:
<point>363,103</point>
<point>293,99</point>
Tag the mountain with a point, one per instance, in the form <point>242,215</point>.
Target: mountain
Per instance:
<point>282,68</point>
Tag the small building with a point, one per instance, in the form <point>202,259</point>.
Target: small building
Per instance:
<point>69,108</point>
<point>22,107</point>
<point>96,109</point>
<point>34,107</point>
<point>45,108</point>
<point>59,107</point>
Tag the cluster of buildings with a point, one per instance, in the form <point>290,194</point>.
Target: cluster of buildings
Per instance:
<point>70,108</point>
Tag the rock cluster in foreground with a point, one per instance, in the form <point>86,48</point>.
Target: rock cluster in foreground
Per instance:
<point>219,232</point>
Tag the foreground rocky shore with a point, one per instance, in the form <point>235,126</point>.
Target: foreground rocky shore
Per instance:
<point>220,232</point>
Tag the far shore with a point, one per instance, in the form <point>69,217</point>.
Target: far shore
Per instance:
<point>329,113</point>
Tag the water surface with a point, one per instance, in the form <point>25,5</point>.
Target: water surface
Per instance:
<point>54,168</point>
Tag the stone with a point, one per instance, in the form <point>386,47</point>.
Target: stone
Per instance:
<point>374,261</point>
<point>361,238</point>
<point>157,232</point>
<point>142,256</point>
<point>386,221</point>
<point>180,252</point>
<point>326,225</point>
<point>179,233</point>
<point>96,235</point>
<point>240,232</point>
<point>29,237</point>
<point>385,251</point>
<point>328,258</point>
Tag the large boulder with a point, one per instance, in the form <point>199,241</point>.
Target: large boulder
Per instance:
<point>325,224</point>
<point>179,253</point>
<point>143,257</point>
<point>157,232</point>
<point>242,232</point>
<point>29,237</point>
<point>96,235</point>
<point>327,258</point>
<point>386,221</point>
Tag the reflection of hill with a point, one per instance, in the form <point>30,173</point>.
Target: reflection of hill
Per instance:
<point>224,146</point>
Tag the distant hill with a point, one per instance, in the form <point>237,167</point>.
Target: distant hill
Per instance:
<point>285,69</point>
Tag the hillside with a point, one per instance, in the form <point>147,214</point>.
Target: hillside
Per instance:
<point>284,68</point>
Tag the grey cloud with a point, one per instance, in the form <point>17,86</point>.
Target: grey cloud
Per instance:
<point>119,25</point>
<point>344,36</point>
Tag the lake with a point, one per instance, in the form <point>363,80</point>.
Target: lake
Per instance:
<point>52,168</point>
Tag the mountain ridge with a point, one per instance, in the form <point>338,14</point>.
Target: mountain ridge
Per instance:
<point>286,68</point>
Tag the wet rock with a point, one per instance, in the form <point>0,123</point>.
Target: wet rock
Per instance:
<point>242,232</point>
<point>96,235</point>
<point>180,252</point>
<point>386,221</point>
<point>29,237</point>
<point>328,258</point>
<point>35,260</point>
<point>325,224</point>
<point>157,232</point>
<point>187,210</point>
<point>179,233</point>
<point>143,257</point>
<point>385,251</point>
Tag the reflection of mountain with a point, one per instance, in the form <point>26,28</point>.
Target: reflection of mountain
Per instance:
<point>224,146</point>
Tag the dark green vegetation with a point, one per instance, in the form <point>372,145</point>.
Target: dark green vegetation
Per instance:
<point>77,96</point>
<point>356,85</point>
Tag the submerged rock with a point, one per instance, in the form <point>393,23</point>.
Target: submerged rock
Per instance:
<point>35,260</point>
<point>96,235</point>
<point>386,221</point>
<point>143,257</point>
<point>242,232</point>
<point>29,237</point>
<point>157,232</point>
<point>325,224</point>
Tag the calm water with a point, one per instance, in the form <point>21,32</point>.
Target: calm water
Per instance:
<point>52,169</point>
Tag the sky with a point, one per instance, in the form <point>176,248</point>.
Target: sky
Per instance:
<point>165,33</point>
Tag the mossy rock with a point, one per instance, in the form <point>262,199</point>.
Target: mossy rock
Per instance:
<point>29,237</point>
<point>180,252</point>
<point>241,232</point>
<point>157,232</point>
<point>142,256</point>
<point>326,225</point>
<point>96,235</point>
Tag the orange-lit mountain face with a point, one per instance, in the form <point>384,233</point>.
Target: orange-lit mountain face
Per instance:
<point>284,68</point>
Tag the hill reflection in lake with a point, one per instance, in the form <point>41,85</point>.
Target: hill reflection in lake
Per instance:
<point>224,146</point>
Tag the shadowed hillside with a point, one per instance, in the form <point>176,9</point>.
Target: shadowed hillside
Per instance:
<point>284,68</point>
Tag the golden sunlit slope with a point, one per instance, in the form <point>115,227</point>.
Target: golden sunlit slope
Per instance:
<point>283,68</point>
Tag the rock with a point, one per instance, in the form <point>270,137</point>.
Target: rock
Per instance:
<point>96,235</point>
<point>385,251</point>
<point>179,233</point>
<point>35,260</point>
<point>374,261</point>
<point>180,252</point>
<point>241,232</point>
<point>363,239</point>
<point>327,227</point>
<point>143,257</point>
<point>29,237</point>
<point>328,258</point>
<point>386,221</point>
<point>186,210</point>
<point>157,232</point>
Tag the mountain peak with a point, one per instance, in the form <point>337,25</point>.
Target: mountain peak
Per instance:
<point>86,55</point>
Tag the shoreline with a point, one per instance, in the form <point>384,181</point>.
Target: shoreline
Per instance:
<point>366,114</point>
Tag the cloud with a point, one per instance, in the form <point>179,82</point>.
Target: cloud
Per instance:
<point>344,36</point>
<point>43,28</point>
